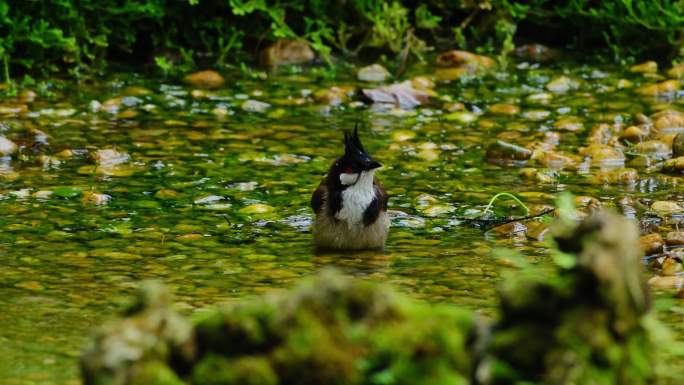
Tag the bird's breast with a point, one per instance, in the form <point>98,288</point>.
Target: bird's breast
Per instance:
<point>355,201</point>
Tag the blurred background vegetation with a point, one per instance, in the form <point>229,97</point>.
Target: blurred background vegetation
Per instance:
<point>79,38</point>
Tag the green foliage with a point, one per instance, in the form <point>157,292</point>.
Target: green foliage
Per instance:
<point>78,37</point>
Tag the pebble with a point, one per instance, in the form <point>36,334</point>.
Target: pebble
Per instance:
<point>562,84</point>
<point>287,52</point>
<point>675,238</point>
<point>208,79</point>
<point>663,208</point>
<point>252,105</point>
<point>7,147</point>
<point>648,67</point>
<point>256,208</point>
<point>373,73</point>
<point>651,243</point>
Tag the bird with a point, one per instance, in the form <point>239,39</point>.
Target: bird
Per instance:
<point>350,204</point>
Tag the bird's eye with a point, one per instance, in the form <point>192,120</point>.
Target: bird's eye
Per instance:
<point>348,170</point>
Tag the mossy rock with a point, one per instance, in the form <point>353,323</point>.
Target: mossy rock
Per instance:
<point>247,370</point>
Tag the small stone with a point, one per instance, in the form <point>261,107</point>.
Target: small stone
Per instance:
<point>604,155</point>
<point>167,194</point>
<point>669,282</point>
<point>671,266</point>
<point>562,84</point>
<point>110,157</point>
<point>373,73</point>
<point>208,199</point>
<point>536,115</point>
<point>208,79</point>
<point>27,96</point>
<point>428,154</point>
<point>256,208</point>
<point>569,123</point>
<point>333,96</point>
<point>252,105</point>
<point>463,117</point>
<point>7,147</point>
<point>678,145</point>
<point>504,109</point>
<point>504,151</point>
<point>648,67</point>
<point>286,52</point>
<point>651,243</point>
<point>633,134</point>
<point>668,121</point>
<point>675,238</point>
<point>90,197</point>
<point>662,88</point>
<point>403,135</point>
<point>617,176</point>
<point>653,148</point>
<point>463,59</point>
<point>677,71</point>
<point>663,208</point>
<point>540,98</point>
<point>675,165</point>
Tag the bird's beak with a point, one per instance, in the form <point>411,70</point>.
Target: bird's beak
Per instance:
<point>374,164</point>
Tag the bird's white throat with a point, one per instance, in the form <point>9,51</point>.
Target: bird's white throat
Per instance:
<point>356,197</point>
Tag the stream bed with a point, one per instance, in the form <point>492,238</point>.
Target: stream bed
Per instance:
<point>132,178</point>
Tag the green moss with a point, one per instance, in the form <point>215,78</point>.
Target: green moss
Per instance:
<point>154,373</point>
<point>248,370</point>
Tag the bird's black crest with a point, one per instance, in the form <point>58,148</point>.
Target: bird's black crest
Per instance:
<point>352,143</point>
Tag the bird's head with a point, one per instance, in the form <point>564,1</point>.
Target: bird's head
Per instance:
<point>355,162</point>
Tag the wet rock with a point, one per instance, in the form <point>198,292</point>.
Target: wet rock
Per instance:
<point>256,208</point>
<point>653,148</point>
<point>616,176</point>
<point>678,145</point>
<point>674,166</point>
<point>671,265</point>
<point>463,117</point>
<point>7,147</point>
<point>668,121</point>
<point>664,208</point>
<point>667,282</point>
<point>501,151</point>
<point>633,134</point>
<point>536,115</point>
<point>110,157</point>
<point>511,229</point>
<point>603,155</point>
<point>455,64</point>
<point>152,332</point>
<point>536,53</point>
<point>27,96</point>
<point>675,238</point>
<point>286,52</point>
<point>98,199</point>
<point>403,95</point>
<point>403,135</point>
<point>651,243</point>
<point>540,98</point>
<point>663,88</point>
<point>504,109</point>
<point>334,96</point>
<point>543,324</point>
<point>556,160</point>
<point>208,79</point>
<point>252,105</point>
<point>373,73</point>
<point>12,110</point>
<point>649,67</point>
<point>569,123</point>
<point>538,230</point>
<point>562,84</point>
<point>464,59</point>
<point>540,176</point>
<point>676,71</point>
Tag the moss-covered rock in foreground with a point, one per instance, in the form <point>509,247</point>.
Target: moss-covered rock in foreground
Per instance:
<point>587,325</point>
<point>330,330</point>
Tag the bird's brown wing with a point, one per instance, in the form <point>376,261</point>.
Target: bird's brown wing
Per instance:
<point>318,197</point>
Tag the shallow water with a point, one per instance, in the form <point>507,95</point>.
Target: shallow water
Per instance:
<point>214,199</point>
